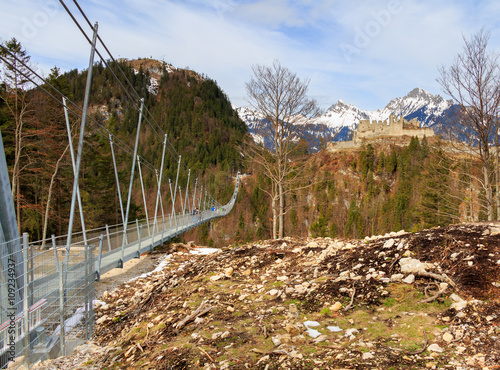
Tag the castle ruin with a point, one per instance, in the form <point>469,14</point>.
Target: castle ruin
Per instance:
<point>396,127</point>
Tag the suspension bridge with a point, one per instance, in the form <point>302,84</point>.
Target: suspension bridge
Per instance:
<point>47,286</point>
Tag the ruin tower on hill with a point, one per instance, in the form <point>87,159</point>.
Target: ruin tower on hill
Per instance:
<point>395,127</point>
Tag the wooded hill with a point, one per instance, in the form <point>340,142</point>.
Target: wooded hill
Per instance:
<point>191,109</point>
<point>375,189</point>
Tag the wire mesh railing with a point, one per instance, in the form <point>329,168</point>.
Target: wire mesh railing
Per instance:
<point>47,309</point>
<point>47,288</point>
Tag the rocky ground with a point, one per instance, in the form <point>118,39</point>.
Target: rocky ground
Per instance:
<point>404,300</point>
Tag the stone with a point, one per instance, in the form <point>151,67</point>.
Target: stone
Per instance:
<point>282,278</point>
<point>273,292</point>
<point>292,329</point>
<point>412,265</point>
<point>298,339</point>
<point>447,337</point>
<point>456,298</point>
<point>351,332</point>
<point>367,356</point>
<point>216,277</point>
<point>459,305</point>
<point>247,272</point>
<point>293,311</point>
<point>389,243</point>
<point>336,307</point>
<point>434,347</point>
<point>228,272</point>
<point>300,289</point>
<point>410,279</point>
<point>102,320</point>
<point>230,308</point>
<point>321,338</point>
<point>312,245</point>
<point>397,277</point>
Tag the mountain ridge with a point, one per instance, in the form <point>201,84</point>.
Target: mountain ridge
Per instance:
<point>339,121</point>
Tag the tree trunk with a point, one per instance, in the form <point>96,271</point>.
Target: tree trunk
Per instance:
<point>275,218</point>
<point>281,211</point>
<point>489,193</point>
<point>49,196</point>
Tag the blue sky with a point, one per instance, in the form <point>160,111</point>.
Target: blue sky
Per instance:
<point>363,52</point>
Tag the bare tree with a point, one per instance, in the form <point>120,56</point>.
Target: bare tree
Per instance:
<point>281,98</point>
<point>15,59</point>
<point>473,82</point>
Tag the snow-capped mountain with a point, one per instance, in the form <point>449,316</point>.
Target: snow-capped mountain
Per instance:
<point>338,122</point>
<point>417,103</point>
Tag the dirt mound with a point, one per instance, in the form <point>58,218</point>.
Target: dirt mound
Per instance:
<point>420,300</point>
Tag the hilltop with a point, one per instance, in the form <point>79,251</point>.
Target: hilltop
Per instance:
<point>421,300</point>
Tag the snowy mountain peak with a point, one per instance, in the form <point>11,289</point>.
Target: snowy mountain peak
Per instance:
<point>427,108</point>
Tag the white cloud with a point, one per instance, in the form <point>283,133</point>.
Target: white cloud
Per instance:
<point>404,40</point>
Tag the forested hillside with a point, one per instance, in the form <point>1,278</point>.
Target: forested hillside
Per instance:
<point>378,188</point>
<point>408,184</point>
<point>191,109</point>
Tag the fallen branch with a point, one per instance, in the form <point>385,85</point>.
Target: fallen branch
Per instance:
<point>352,299</point>
<point>432,275</point>
<point>206,354</point>
<point>420,350</point>
<point>200,311</point>
<point>435,296</point>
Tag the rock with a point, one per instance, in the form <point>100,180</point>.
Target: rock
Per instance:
<point>228,272</point>
<point>447,337</point>
<point>456,298</point>
<point>389,243</point>
<point>292,329</point>
<point>336,307</point>
<point>412,265</point>
<point>351,332</point>
<point>216,277</point>
<point>300,289</point>
<point>312,245</point>
<point>410,279</point>
<point>230,308</point>
<point>434,347</point>
<point>299,339</point>
<point>293,311</point>
<point>247,272</point>
<point>282,278</point>
<point>216,335</point>
<point>367,356</point>
<point>276,340</point>
<point>102,320</point>
<point>321,338</point>
<point>397,277</point>
<point>263,359</point>
<point>273,292</point>
<point>407,253</point>
<point>459,305</point>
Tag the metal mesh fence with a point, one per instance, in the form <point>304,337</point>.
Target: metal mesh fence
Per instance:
<point>46,302</point>
<point>47,289</point>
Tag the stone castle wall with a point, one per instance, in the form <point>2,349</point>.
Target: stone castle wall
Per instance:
<point>395,127</point>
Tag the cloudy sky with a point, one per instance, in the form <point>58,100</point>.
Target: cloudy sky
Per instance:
<point>364,52</point>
